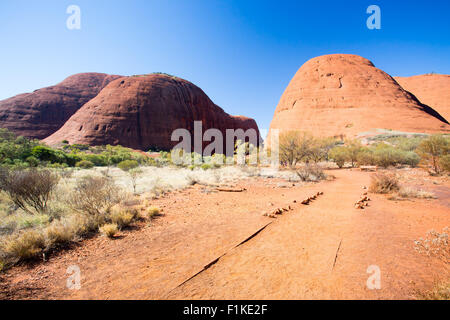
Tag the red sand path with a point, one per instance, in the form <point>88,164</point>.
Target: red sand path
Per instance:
<point>292,258</point>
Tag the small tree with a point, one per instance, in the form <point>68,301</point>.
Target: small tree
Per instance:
<point>354,147</point>
<point>340,156</point>
<point>295,147</point>
<point>131,167</point>
<point>432,149</point>
<point>134,175</point>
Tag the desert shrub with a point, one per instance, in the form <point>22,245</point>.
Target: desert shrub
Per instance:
<point>206,166</point>
<point>85,164</point>
<point>433,149</point>
<point>48,154</point>
<point>386,156</point>
<point>410,158</point>
<point>440,291</point>
<point>33,161</point>
<point>445,162</point>
<point>30,189</point>
<point>95,195</point>
<point>123,217</point>
<point>60,232</point>
<point>311,173</point>
<point>340,156</point>
<point>294,147</point>
<point>384,183</point>
<point>72,159</point>
<point>353,147</point>
<point>410,192</point>
<point>97,159</point>
<point>407,144</point>
<point>23,246</point>
<point>134,174</point>
<point>153,212</point>
<point>435,244</point>
<point>14,147</point>
<point>366,158</point>
<point>109,230</point>
<point>127,165</point>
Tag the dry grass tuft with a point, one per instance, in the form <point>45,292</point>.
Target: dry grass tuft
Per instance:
<point>23,246</point>
<point>123,217</point>
<point>153,212</point>
<point>440,291</point>
<point>384,183</point>
<point>109,230</point>
<point>410,192</point>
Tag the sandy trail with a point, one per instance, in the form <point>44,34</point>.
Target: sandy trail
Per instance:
<point>292,258</point>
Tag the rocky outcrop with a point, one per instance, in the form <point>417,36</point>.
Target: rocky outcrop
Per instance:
<point>345,95</point>
<point>141,112</point>
<point>44,111</point>
<point>431,89</point>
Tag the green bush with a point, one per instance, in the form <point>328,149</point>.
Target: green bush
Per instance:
<point>366,158</point>
<point>433,149</point>
<point>85,164</point>
<point>33,161</point>
<point>48,154</point>
<point>127,165</point>
<point>206,166</point>
<point>98,160</point>
<point>339,155</point>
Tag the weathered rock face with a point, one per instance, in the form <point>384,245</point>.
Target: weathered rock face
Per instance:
<point>345,95</point>
<point>141,112</point>
<point>44,111</point>
<point>431,89</point>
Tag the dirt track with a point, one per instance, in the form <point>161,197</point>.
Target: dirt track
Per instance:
<point>320,251</point>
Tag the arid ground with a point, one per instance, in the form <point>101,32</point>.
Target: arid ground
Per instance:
<point>316,251</point>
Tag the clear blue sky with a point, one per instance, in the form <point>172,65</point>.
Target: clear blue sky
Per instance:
<point>241,53</point>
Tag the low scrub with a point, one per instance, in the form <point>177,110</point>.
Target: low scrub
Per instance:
<point>123,217</point>
<point>311,173</point>
<point>384,183</point>
<point>440,291</point>
<point>23,246</point>
<point>109,230</point>
<point>95,195</point>
<point>153,212</point>
<point>29,189</point>
<point>410,192</point>
<point>435,244</point>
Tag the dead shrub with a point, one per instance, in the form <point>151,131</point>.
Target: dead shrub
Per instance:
<point>384,183</point>
<point>435,244</point>
<point>29,189</point>
<point>311,172</point>
<point>410,192</point>
<point>60,232</point>
<point>95,195</point>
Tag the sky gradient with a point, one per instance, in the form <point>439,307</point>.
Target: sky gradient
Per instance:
<point>242,53</point>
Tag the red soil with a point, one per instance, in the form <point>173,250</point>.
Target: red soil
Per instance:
<point>320,251</point>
